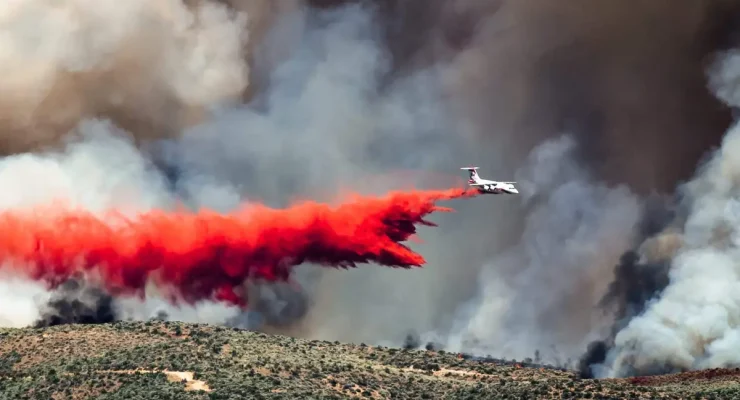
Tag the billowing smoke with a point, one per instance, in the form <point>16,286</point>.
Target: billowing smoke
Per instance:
<point>150,67</point>
<point>693,322</point>
<point>74,302</point>
<point>590,107</point>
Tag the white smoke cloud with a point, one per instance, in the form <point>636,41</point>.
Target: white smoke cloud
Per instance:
<point>100,169</point>
<point>695,323</point>
<point>22,300</point>
<point>207,312</point>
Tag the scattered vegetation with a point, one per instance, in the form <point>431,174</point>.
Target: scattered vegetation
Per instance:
<point>166,360</point>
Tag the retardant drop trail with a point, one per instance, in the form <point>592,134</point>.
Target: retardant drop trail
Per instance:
<point>205,254</point>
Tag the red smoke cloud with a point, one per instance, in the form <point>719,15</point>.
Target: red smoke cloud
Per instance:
<point>205,254</point>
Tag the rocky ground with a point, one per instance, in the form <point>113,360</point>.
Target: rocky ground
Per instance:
<point>160,360</point>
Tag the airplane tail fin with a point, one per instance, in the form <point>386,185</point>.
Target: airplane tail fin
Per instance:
<point>472,172</point>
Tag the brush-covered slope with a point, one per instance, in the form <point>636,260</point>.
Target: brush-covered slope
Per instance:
<point>183,361</point>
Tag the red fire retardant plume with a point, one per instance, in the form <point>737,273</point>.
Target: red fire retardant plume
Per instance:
<point>205,254</point>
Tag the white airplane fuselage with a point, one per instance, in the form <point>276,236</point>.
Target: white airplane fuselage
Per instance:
<point>486,186</point>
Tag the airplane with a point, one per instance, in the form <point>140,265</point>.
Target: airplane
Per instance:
<point>487,186</point>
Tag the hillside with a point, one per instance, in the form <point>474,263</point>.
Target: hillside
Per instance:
<point>183,361</point>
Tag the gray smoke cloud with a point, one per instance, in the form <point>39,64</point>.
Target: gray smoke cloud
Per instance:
<point>294,102</point>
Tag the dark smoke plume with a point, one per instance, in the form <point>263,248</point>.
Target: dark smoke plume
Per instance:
<point>76,302</point>
<point>634,285</point>
<point>280,305</point>
<point>639,277</point>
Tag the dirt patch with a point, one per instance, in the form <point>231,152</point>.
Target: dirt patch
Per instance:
<point>172,376</point>
<point>190,383</point>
